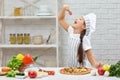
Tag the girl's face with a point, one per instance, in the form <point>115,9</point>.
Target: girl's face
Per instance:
<point>79,24</point>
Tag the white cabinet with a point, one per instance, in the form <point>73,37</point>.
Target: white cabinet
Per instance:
<point>38,18</point>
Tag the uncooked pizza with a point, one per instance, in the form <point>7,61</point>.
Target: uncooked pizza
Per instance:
<point>75,70</point>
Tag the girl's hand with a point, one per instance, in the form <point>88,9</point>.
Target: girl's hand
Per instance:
<point>98,65</point>
<point>67,8</point>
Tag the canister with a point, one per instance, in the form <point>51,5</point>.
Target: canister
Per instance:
<point>37,39</point>
<point>17,11</point>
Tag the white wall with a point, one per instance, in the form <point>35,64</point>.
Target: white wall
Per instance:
<point>106,40</point>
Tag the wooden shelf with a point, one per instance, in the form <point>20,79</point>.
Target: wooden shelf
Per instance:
<point>28,46</point>
<point>27,17</point>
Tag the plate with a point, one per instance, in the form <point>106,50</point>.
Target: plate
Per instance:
<point>39,74</point>
<point>20,77</point>
<point>2,73</point>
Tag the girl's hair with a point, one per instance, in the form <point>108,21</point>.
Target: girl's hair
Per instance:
<point>80,53</point>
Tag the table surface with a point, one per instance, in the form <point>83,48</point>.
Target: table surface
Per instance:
<point>59,76</point>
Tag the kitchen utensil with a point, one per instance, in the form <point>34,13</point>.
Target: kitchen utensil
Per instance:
<point>51,36</point>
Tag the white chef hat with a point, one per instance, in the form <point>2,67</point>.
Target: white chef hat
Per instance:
<point>90,21</point>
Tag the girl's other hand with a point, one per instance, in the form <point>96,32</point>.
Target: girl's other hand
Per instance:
<point>67,8</point>
<point>98,65</point>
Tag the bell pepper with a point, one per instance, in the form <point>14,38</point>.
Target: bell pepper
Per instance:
<point>28,59</point>
<point>20,56</point>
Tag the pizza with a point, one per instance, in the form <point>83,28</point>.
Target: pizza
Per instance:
<point>75,70</point>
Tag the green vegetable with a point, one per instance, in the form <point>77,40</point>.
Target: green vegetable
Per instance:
<point>14,63</point>
<point>11,73</point>
<point>20,73</point>
<point>35,58</point>
<point>115,69</point>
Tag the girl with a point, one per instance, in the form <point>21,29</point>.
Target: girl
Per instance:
<point>79,38</point>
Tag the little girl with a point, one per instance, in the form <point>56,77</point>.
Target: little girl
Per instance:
<point>79,38</point>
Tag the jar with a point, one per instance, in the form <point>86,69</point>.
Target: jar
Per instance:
<point>20,38</point>
<point>37,39</point>
<point>26,38</point>
<point>17,11</point>
<point>12,38</point>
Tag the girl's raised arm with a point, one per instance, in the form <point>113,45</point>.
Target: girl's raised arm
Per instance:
<point>61,17</point>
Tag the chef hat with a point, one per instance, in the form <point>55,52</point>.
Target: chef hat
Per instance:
<point>90,21</point>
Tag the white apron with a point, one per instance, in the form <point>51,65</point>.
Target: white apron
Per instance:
<point>73,43</point>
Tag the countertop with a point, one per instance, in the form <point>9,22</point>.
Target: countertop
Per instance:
<point>59,76</point>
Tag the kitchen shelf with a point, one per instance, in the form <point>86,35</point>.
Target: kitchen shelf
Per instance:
<point>28,46</point>
<point>41,24</point>
<point>27,17</point>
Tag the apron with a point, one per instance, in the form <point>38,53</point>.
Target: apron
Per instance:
<point>73,43</point>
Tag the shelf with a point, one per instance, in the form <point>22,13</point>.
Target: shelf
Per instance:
<point>36,23</point>
<point>26,17</point>
<point>28,46</point>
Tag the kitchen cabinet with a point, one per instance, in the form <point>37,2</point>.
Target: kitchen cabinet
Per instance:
<point>35,17</point>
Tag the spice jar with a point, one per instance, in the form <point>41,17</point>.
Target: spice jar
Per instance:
<point>12,38</point>
<point>19,38</point>
<point>17,11</point>
<point>26,38</point>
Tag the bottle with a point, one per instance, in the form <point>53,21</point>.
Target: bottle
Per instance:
<point>26,38</point>
<point>17,11</point>
<point>20,38</point>
<point>12,38</point>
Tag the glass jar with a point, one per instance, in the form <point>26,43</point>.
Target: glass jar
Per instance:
<point>12,38</point>
<point>20,38</point>
<point>26,38</point>
<point>17,11</point>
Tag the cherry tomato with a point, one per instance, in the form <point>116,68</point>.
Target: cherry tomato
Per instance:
<point>70,12</point>
<point>51,72</point>
<point>32,74</point>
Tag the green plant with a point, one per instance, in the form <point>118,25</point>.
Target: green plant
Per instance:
<point>115,69</point>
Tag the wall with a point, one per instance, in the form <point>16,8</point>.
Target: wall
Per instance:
<point>106,40</point>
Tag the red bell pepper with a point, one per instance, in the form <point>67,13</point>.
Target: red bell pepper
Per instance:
<point>28,59</point>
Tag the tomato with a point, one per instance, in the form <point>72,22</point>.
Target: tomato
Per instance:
<point>28,59</point>
<point>51,72</point>
<point>32,74</point>
<point>101,71</point>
